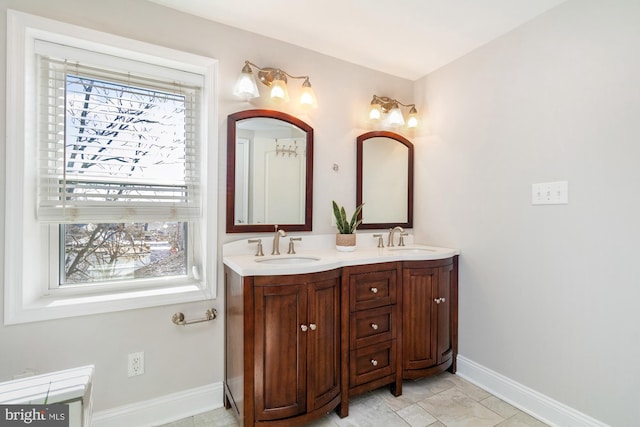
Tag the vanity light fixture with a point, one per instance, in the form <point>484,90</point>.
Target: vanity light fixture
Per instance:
<point>383,107</point>
<point>276,80</point>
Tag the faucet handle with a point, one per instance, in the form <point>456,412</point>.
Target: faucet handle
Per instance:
<point>259,249</point>
<point>402,236</point>
<point>292,250</point>
<point>380,240</point>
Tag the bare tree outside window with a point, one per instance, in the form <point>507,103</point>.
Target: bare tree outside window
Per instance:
<point>123,134</point>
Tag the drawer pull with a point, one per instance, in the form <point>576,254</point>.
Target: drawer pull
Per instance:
<point>374,362</point>
<point>304,328</point>
<point>374,290</point>
<point>374,326</point>
<point>312,326</point>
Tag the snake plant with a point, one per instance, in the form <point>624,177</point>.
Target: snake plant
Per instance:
<point>344,226</point>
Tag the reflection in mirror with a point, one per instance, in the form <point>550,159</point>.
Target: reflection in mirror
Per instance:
<point>384,180</point>
<point>269,172</point>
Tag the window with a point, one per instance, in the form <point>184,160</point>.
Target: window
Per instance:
<point>108,193</point>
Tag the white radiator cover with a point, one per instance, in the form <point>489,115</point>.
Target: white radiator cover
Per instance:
<point>72,386</point>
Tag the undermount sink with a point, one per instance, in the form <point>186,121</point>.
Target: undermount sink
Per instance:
<point>288,260</point>
<point>411,250</point>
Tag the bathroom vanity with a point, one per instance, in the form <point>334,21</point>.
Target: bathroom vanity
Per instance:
<point>305,332</point>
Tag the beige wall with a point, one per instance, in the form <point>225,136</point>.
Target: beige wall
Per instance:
<point>180,358</point>
<point>549,294</point>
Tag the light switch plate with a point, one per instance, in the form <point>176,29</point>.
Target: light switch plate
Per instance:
<point>550,193</point>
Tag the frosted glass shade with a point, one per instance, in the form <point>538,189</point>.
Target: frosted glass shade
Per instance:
<point>308,96</point>
<point>375,113</point>
<point>279,90</point>
<point>412,120</point>
<point>246,86</point>
<point>395,117</point>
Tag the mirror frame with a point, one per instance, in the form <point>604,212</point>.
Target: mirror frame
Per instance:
<point>232,120</point>
<point>399,138</point>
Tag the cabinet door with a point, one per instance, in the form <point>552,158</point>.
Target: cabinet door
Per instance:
<point>420,317</point>
<point>323,342</point>
<point>445,349</point>
<point>280,351</point>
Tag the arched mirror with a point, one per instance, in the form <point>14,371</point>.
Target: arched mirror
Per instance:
<point>269,172</point>
<point>384,180</point>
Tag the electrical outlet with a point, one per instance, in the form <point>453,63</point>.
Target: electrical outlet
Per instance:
<point>136,364</point>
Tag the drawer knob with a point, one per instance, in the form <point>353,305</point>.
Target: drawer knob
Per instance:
<point>304,328</point>
<point>374,290</point>
<point>312,326</point>
<point>439,300</point>
<point>374,362</point>
<point>374,326</point>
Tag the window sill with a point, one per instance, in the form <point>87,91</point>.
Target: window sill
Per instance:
<point>59,306</point>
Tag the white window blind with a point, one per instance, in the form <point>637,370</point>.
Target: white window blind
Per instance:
<point>115,144</point>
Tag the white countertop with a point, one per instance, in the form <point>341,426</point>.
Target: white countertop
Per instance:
<point>240,255</point>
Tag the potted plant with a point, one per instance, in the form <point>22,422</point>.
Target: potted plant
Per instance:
<point>346,238</point>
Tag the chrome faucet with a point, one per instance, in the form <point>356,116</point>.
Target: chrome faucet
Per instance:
<point>392,231</point>
<point>276,240</point>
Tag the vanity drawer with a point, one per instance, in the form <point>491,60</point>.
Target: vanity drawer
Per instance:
<point>371,326</point>
<point>372,362</point>
<point>372,289</point>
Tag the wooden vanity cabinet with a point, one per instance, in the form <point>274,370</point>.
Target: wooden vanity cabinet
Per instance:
<point>299,346</point>
<point>286,370</point>
<point>430,317</point>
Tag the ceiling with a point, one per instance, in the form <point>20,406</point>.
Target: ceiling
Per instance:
<point>405,38</point>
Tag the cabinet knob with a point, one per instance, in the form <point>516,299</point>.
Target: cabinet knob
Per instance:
<point>374,362</point>
<point>304,328</point>
<point>374,290</point>
<point>312,326</point>
<point>374,326</point>
<point>439,300</point>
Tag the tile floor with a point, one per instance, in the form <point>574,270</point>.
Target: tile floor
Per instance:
<point>444,400</point>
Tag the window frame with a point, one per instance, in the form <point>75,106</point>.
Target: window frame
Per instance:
<point>29,242</point>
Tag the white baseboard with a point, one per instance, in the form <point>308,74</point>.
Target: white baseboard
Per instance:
<point>162,410</point>
<point>530,401</point>
<point>187,403</point>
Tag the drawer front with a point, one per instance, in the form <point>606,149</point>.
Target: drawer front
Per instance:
<point>372,289</point>
<point>372,326</point>
<point>372,362</point>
